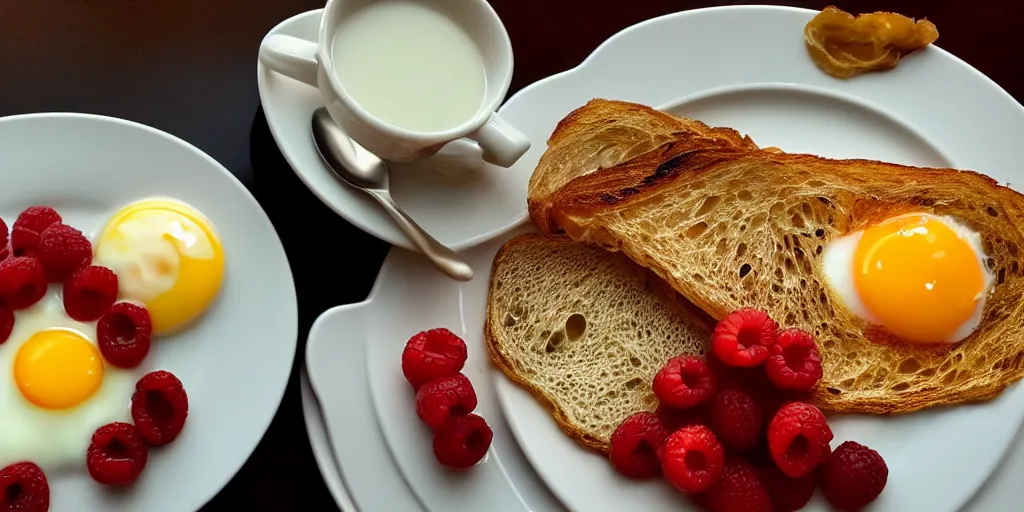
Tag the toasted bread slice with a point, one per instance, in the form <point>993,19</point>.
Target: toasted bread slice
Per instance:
<point>730,227</point>
<point>584,331</point>
<point>606,133</point>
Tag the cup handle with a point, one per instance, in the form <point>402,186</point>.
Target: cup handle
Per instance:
<point>290,56</point>
<point>501,142</point>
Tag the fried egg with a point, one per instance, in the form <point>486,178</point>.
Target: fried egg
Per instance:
<point>167,257</point>
<point>57,388</point>
<point>919,276</point>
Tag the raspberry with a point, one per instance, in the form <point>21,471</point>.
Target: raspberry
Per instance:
<point>159,407</point>
<point>634,446</point>
<point>742,338</point>
<point>854,476</point>
<point>463,442</point>
<point>737,419</point>
<point>675,419</point>
<point>432,354</point>
<point>22,282</point>
<point>793,361</point>
<point>788,494</point>
<point>23,488</point>
<point>441,399</point>
<point>798,438</point>
<point>63,250</point>
<point>692,459</point>
<point>684,382</point>
<point>116,454</point>
<point>739,489</point>
<point>28,226</point>
<point>6,323</point>
<point>123,334</point>
<point>89,293</point>
<point>4,239</point>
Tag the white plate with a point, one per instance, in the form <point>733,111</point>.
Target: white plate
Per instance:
<point>235,361</point>
<point>921,113</point>
<point>384,453</point>
<point>770,90</point>
<point>439,193</point>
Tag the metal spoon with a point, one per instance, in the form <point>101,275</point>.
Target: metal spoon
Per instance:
<point>356,166</point>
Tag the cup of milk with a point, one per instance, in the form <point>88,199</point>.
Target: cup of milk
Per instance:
<point>405,77</point>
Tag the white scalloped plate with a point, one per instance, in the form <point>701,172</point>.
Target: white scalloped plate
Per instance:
<point>929,111</point>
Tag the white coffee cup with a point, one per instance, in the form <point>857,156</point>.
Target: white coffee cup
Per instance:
<point>314,64</point>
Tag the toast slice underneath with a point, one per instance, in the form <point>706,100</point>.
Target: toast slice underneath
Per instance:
<point>584,331</point>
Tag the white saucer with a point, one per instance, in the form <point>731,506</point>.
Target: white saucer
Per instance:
<point>235,361</point>
<point>456,197</point>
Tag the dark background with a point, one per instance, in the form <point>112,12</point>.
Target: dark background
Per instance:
<point>189,67</point>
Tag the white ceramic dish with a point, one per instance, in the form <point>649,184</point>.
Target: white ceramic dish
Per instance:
<point>87,167</point>
<point>917,114</point>
<point>457,174</point>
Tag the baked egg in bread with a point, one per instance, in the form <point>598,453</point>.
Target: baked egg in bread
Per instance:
<point>919,276</point>
<point>730,226</point>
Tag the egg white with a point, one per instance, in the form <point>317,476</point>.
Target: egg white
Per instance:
<point>56,439</point>
<point>837,264</point>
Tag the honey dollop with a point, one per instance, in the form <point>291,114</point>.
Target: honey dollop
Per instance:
<point>845,46</point>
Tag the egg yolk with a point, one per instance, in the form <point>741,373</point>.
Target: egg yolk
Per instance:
<point>167,256</point>
<point>918,277</point>
<point>57,368</point>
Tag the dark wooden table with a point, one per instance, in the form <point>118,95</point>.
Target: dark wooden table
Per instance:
<point>189,67</point>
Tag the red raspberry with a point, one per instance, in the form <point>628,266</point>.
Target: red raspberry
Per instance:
<point>742,338</point>
<point>675,419</point>
<point>684,382</point>
<point>798,438</point>
<point>123,333</point>
<point>737,419</point>
<point>441,399</point>
<point>159,407</point>
<point>23,488</point>
<point>6,323</point>
<point>854,476</point>
<point>432,354</point>
<point>89,293</point>
<point>4,239</point>
<point>788,494</point>
<point>22,282</point>
<point>29,225</point>
<point>692,459</point>
<point>63,250</point>
<point>116,454</point>
<point>793,362</point>
<point>739,489</point>
<point>634,446</point>
<point>463,442</point>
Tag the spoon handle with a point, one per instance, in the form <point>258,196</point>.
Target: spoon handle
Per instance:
<point>444,258</point>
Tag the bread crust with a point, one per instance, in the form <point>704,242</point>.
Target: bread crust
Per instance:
<point>866,370</point>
